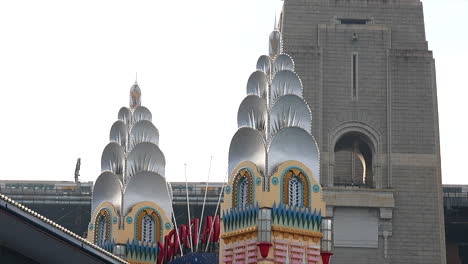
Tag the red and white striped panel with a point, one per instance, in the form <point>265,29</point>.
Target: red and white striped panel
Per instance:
<point>279,251</point>
<point>251,246</point>
<point>313,254</point>
<point>228,254</point>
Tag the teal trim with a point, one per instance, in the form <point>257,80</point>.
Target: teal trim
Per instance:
<point>239,218</point>
<point>296,217</point>
<point>136,222</point>
<point>308,184</point>
<point>142,252</point>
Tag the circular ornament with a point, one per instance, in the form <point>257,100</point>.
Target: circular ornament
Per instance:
<point>228,189</point>
<point>274,180</point>
<point>316,188</point>
<point>114,220</point>
<point>91,227</point>
<point>129,220</point>
<point>258,181</point>
<point>168,226</point>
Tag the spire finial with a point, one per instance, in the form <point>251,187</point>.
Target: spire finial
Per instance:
<point>136,77</point>
<point>135,94</point>
<point>275,26</point>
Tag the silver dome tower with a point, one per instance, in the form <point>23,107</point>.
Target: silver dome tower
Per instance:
<point>273,199</point>
<point>274,120</point>
<point>131,201</point>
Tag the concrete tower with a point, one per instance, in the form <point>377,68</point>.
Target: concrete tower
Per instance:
<point>370,81</point>
<point>131,204</point>
<point>273,208</point>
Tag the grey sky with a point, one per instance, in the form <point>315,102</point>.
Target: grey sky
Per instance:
<point>66,68</point>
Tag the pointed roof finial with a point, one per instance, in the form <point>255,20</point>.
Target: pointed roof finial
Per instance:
<point>136,77</point>
<point>135,95</point>
<point>275,26</point>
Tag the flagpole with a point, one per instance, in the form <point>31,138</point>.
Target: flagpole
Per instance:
<point>188,209</point>
<point>204,201</point>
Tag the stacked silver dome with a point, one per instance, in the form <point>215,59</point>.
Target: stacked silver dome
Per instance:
<point>132,164</point>
<point>274,120</point>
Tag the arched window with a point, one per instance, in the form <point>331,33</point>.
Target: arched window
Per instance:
<point>295,191</point>
<point>147,230</point>
<point>243,192</point>
<point>295,188</point>
<point>148,226</point>
<point>102,224</point>
<point>242,189</point>
<point>102,230</point>
<point>353,160</point>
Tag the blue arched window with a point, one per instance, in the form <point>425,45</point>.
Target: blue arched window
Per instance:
<point>148,226</point>
<point>102,224</point>
<point>147,229</point>
<point>102,230</point>
<point>243,192</point>
<point>295,187</point>
<point>295,191</point>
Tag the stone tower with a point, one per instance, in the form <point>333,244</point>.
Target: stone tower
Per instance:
<point>131,203</point>
<point>370,81</point>
<point>273,208</point>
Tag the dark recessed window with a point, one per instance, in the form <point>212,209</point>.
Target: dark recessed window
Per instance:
<point>353,21</point>
<point>355,76</point>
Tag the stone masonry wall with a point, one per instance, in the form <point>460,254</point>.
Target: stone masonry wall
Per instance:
<point>396,105</point>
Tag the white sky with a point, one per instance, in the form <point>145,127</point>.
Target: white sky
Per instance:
<point>66,68</point>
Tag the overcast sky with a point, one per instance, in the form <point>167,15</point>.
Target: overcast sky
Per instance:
<point>66,68</point>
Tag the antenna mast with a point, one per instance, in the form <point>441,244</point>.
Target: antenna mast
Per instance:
<point>204,200</point>
<point>188,209</point>
<point>77,170</point>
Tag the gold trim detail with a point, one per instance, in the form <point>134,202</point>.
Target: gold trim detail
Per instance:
<point>242,234</point>
<point>296,233</point>
<point>138,262</point>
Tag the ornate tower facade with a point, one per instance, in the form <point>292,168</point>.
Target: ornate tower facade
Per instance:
<point>370,81</point>
<point>273,207</point>
<point>131,204</point>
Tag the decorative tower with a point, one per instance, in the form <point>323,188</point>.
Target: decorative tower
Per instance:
<point>131,204</point>
<point>273,208</point>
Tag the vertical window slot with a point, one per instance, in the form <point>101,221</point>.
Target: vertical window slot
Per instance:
<point>355,76</point>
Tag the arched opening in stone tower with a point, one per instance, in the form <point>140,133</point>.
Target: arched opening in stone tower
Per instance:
<point>353,160</point>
